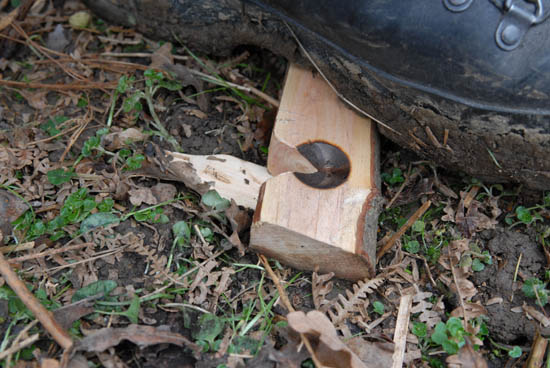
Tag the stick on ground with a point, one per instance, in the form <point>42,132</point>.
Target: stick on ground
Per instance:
<point>419,212</point>
<point>42,314</point>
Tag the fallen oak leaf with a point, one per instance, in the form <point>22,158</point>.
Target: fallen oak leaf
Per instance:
<point>327,347</point>
<point>143,336</point>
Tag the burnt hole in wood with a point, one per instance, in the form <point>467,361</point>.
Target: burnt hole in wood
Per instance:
<point>332,163</point>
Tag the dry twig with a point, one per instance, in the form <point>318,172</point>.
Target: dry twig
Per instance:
<point>415,216</point>
<point>41,313</point>
<point>288,306</point>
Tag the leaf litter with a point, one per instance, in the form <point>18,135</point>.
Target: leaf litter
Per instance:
<point>85,116</point>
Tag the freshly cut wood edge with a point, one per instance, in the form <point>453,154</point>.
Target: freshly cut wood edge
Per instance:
<point>305,253</point>
<point>312,229</point>
<point>230,176</point>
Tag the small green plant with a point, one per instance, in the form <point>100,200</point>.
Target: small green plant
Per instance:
<point>60,176</point>
<point>210,327</point>
<point>76,208</point>
<point>154,81</point>
<point>182,236</point>
<point>215,201</point>
<point>393,178</point>
<point>378,307</point>
<point>528,215</point>
<point>449,335</point>
<point>420,329</point>
<point>536,289</point>
<point>514,352</point>
<point>476,259</point>
<point>51,127</point>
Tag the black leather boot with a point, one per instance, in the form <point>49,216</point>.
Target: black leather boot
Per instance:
<point>465,83</point>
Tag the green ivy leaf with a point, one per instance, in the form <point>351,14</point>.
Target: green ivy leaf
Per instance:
<point>440,334</point>
<point>515,352</point>
<point>378,307</point>
<point>420,329</point>
<point>82,102</point>
<point>132,103</point>
<point>244,344</point>
<point>124,83</point>
<point>395,177</point>
<point>98,220</point>
<point>106,205</point>
<point>450,347</point>
<point>524,215</point>
<point>182,232</point>
<point>418,226</point>
<point>171,84</point>
<point>477,265</point>
<point>454,326</point>
<point>534,287</point>
<point>102,286</point>
<point>51,125</point>
<point>215,201</point>
<point>132,312</point>
<point>412,246</point>
<point>134,162</point>
<point>210,327</point>
<point>60,176</point>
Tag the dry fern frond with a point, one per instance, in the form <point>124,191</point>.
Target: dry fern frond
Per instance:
<point>321,286</point>
<point>353,302</point>
<point>425,308</point>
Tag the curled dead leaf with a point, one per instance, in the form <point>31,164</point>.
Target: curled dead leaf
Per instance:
<point>143,336</point>
<point>117,140</point>
<point>327,347</point>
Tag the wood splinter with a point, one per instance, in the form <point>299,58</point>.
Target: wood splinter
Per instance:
<point>320,209</point>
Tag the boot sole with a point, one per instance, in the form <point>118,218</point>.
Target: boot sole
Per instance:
<point>494,145</point>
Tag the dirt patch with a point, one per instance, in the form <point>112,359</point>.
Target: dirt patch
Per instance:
<point>497,281</point>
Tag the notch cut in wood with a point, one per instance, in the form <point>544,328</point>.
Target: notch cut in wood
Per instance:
<point>320,209</point>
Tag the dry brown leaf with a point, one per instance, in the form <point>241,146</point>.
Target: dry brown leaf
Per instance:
<point>164,192</point>
<point>187,78</point>
<point>328,348</point>
<point>49,363</point>
<point>141,195</point>
<point>533,312</point>
<point>143,336</point>
<point>66,315</point>
<point>473,310</point>
<point>239,220</point>
<point>422,305</point>
<point>467,357</point>
<point>7,19</point>
<point>375,354</point>
<point>57,39</point>
<point>36,99</point>
<point>11,207</point>
<point>449,213</point>
<point>117,140</point>
<point>472,220</point>
<point>321,286</point>
<point>162,56</point>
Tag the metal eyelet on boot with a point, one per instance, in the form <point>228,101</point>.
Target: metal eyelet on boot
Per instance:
<point>457,6</point>
<point>518,17</point>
